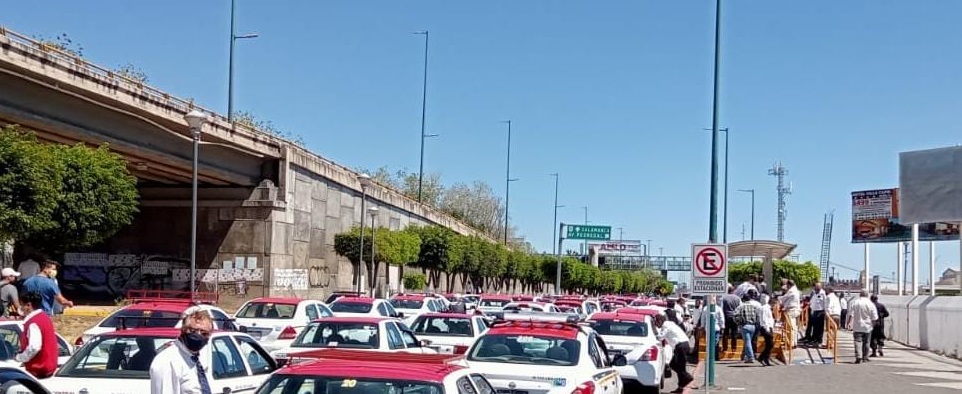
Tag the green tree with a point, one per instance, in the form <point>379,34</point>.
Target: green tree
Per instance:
<point>394,248</point>
<point>804,274</point>
<point>97,198</point>
<point>30,182</point>
<point>414,281</point>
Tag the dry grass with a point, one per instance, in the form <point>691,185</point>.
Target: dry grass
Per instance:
<point>70,327</point>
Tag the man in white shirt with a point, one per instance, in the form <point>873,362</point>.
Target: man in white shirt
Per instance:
<point>677,339</point>
<point>815,331</point>
<point>833,306</point>
<point>844,301</point>
<point>862,316</point>
<point>766,325</point>
<point>719,323</point>
<point>747,285</point>
<point>181,367</point>
<point>792,305</point>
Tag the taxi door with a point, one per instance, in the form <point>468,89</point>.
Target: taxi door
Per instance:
<point>605,377</point>
<point>238,364</point>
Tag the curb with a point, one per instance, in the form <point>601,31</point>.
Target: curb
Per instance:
<point>86,312</point>
<point>699,370</point>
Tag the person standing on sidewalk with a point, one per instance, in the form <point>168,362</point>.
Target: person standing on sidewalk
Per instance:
<point>815,331</point>
<point>833,307</point>
<point>842,300</point>
<point>45,284</point>
<point>38,344</point>
<point>878,330</point>
<point>677,339</point>
<point>9,295</point>
<point>792,305</point>
<point>729,303</point>
<point>766,323</point>
<point>746,316</point>
<point>719,323</point>
<point>862,316</point>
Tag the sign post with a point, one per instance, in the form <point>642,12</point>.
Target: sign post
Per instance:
<point>590,233</point>
<point>709,277</point>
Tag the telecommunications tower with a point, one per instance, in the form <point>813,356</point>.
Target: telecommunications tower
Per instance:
<point>779,173</point>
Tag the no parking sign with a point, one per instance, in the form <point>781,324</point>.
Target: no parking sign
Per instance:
<point>709,268</point>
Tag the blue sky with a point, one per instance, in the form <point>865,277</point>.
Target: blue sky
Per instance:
<point>612,95</point>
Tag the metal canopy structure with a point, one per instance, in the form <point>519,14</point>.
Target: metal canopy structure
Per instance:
<point>769,251</point>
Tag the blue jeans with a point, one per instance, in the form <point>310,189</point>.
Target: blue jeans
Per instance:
<point>748,334</point>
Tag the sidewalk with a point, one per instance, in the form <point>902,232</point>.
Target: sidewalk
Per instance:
<point>903,369</point>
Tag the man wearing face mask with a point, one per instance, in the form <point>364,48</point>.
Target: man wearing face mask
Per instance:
<point>181,367</point>
<point>45,284</point>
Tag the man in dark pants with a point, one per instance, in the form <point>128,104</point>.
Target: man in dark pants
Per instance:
<point>678,340</point>
<point>877,341</point>
<point>816,321</point>
<point>730,334</point>
<point>767,331</point>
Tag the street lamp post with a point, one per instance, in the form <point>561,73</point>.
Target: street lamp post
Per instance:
<point>373,211</point>
<point>554,227</point>
<point>752,191</point>
<point>424,102</point>
<point>713,202</point>
<point>584,245</point>
<point>365,181</point>
<point>230,70</point>
<point>195,119</point>
<point>507,184</point>
<point>725,192</point>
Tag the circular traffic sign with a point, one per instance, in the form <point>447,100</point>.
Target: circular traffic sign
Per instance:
<point>709,261</point>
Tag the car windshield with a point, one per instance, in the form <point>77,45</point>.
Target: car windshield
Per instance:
<point>351,307</point>
<point>267,310</point>
<point>496,303</point>
<point>620,328</point>
<point>114,357</point>
<point>523,308</point>
<point>471,299</point>
<point>407,304</point>
<point>344,335</point>
<point>142,318</point>
<point>442,326</point>
<point>280,383</point>
<point>526,349</point>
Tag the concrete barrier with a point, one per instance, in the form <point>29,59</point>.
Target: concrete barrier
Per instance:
<point>925,322</point>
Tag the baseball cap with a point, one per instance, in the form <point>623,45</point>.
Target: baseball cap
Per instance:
<point>9,272</point>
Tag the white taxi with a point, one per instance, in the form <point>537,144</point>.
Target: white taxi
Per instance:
<point>540,354</point>
<point>381,334</point>
<point>276,321</point>
<point>364,306</point>
<point>237,363</point>
<point>530,306</point>
<point>10,332</point>
<point>639,357</point>
<point>414,305</point>
<point>449,333</point>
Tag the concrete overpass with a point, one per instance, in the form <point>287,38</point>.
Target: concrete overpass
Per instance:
<point>269,209</point>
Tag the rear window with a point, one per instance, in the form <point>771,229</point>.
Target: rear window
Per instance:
<point>620,328</point>
<point>267,310</point>
<point>345,385</point>
<point>526,349</point>
<point>114,357</point>
<point>351,307</point>
<point>442,326</point>
<point>407,304</point>
<point>342,335</point>
<point>142,318</point>
<point>494,303</point>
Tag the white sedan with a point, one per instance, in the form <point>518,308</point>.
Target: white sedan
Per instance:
<point>542,355</point>
<point>449,333</point>
<point>276,321</point>
<point>379,334</point>
<point>10,332</point>
<point>638,356</point>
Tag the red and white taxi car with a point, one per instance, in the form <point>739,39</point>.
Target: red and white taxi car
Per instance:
<point>158,308</point>
<point>493,302</point>
<point>364,306</point>
<point>538,354</point>
<point>336,371</point>
<point>276,321</point>
<point>118,362</point>
<point>379,334</point>
<point>449,333</point>
<point>413,305</point>
<point>639,357</point>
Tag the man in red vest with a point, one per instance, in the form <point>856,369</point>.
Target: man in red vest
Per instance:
<point>38,345</point>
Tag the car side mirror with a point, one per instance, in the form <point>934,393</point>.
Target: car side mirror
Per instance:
<point>619,361</point>
<point>425,343</point>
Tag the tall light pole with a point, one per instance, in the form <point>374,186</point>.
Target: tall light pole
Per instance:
<point>365,181</point>
<point>373,212</point>
<point>230,71</point>
<point>507,184</point>
<point>584,245</point>
<point>725,206</point>
<point>554,227</point>
<point>752,191</point>
<point>195,119</point>
<point>713,204</point>
<point>424,103</point>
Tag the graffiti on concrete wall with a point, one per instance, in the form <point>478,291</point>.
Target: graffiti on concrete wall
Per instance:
<point>290,278</point>
<point>100,275</point>
<point>319,277</point>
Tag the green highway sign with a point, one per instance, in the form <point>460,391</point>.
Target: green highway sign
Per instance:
<point>578,231</point>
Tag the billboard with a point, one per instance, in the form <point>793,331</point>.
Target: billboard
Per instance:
<point>875,218</point>
<point>616,247</point>
<point>931,183</point>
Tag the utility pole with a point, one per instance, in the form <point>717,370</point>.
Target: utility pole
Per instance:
<point>424,101</point>
<point>779,173</point>
<point>554,227</point>
<point>713,202</point>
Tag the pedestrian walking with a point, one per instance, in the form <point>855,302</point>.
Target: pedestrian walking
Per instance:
<point>833,306</point>
<point>844,301</point>
<point>791,302</point>
<point>45,284</point>
<point>862,316</point>
<point>38,344</point>
<point>9,295</point>
<point>766,329</point>
<point>878,330</point>
<point>719,324</point>
<point>179,368</point>
<point>678,340</point>
<point>730,335</point>
<point>747,317</point>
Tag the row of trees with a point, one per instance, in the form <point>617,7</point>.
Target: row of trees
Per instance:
<point>804,274</point>
<point>475,204</point>
<point>59,197</point>
<point>475,263</point>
